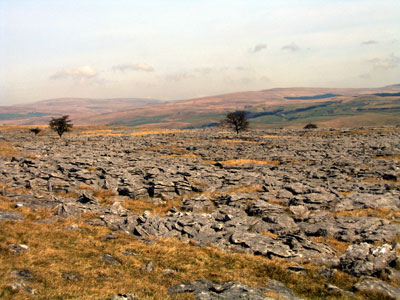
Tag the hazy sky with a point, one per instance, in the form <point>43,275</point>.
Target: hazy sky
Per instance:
<point>178,49</point>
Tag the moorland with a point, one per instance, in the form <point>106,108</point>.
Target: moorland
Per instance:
<point>128,213</point>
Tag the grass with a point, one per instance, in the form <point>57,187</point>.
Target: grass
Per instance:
<point>127,132</point>
<point>382,213</point>
<point>54,251</point>
<point>381,181</point>
<point>239,162</point>
<point>186,155</point>
<point>145,204</point>
<point>237,141</point>
<point>105,197</point>
<point>339,246</point>
<point>7,150</point>
<point>391,157</point>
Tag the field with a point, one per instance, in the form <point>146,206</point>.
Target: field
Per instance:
<point>107,210</point>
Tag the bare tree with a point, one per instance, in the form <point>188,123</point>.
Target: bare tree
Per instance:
<point>237,120</point>
<point>61,125</point>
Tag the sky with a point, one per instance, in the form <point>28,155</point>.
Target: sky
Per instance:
<point>181,49</point>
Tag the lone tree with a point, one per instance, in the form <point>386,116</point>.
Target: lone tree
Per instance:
<point>237,120</point>
<point>61,125</point>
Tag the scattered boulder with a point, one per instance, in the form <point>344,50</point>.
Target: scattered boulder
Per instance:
<point>232,290</point>
<point>10,216</point>
<point>375,285</point>
<point>111,260</point>
<point>365,259</point>
<point>18,248</point>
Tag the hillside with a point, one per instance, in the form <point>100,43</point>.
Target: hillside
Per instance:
<point>278,107</point>
<point>39,112</point>
<point>274,107</point>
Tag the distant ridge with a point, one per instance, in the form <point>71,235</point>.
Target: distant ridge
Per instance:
<point>278,107</point>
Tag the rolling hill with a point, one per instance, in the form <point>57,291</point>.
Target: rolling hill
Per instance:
<point>278,107</point>
<point>40,112</point>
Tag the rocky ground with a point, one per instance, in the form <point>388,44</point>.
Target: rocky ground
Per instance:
<point>326,197</point>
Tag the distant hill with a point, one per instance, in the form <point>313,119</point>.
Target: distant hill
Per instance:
<point>41,111</point>
<point>279,107</point>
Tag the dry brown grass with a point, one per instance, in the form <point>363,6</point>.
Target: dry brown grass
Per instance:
<point>244,189</point>
<point>334,243</point>
<point>146,204</point>
<point>54,251</point>
<point>371,130</point>
<point>380,181</point>
<point>390,157</point>
<point>278,136</point>
<point>111,132</point>
<point>346,193</point>
<point>237,141</point>
<point>105,197</point>
<point>7,150</point>
<point>270,234</point>
<point>239,162</point>
<point>300,162</point>
<point>208,161</point>
<point>85,187</point>
<point>383,213</point>
<point>278,202</point>
<point>197,182</point>
<point>187,155</point>
<point>356,131</point>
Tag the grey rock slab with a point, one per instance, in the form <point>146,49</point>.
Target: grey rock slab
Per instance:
<point>21,285</point>
<point>68,210</point>
<point>367,200</point>
<point>70,277</point>
<point>206,290</point>
<point>87,198</point>
<point>334,289</point>
<point>366,259</point>
<point>375,285</point>
<point>111,260</point>
<point>282,291</point>
<point>10,216</point>
<point>23,274</point>
<point>149,267</point>
<point>262,208</point>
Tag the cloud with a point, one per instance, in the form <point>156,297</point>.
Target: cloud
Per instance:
<point>390,62</point>
<point>292,47</point>
<point>133,67</point>
<point>370,42</point>
<point>204,71</point>
<point>80,73</point>
<point>258,48</point>
<point>365,76</point>
<point>178,76</point>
